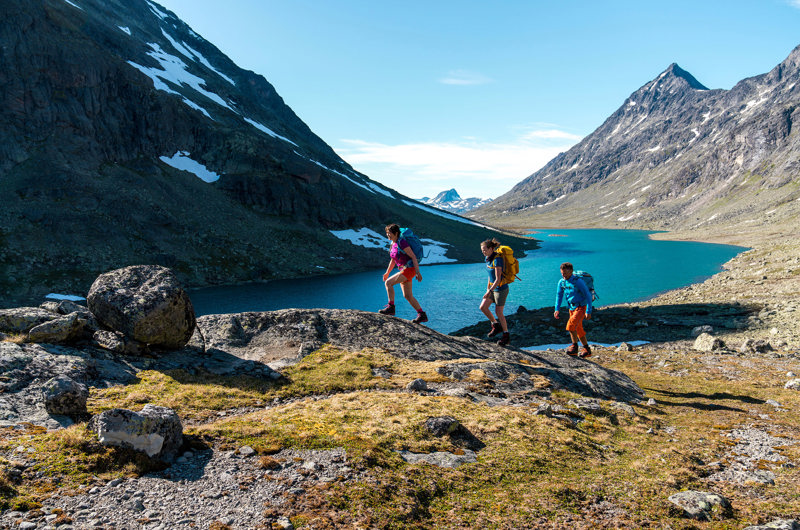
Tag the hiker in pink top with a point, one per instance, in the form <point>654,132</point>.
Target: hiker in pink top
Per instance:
<point>403,257</point>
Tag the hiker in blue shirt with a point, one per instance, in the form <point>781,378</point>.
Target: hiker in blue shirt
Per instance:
<point>496,291</point>
<point>579,299</point>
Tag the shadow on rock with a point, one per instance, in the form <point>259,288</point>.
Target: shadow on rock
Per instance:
<point>663,323</point>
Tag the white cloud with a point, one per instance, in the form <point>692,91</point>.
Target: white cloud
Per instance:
<point>464,77</point>
<point>474,169</point>
<point>552,134</point>
<point>794,3</point>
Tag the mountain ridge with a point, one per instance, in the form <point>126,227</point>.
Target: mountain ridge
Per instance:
<point>675,157</point>
<point>105,106</point>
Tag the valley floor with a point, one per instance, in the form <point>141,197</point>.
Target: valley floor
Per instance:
<point>321,451</point>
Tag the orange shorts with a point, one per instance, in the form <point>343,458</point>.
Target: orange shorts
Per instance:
<point>409,273</point>
<point>575,322</point>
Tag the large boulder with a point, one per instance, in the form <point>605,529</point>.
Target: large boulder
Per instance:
<point>155,431</point>
<point>144,302</point>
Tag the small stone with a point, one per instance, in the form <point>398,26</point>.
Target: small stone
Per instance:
<point>417,385</point>
<point>651,402</point>
<point>701,505</point>
<point>310,465</point>
<point>707,342</point>
<point>794,384</point>
<point>284,523</point>
<point>441,425</point>
<point>246,451</point>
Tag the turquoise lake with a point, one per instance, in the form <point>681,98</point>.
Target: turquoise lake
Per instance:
<point>626,264</point>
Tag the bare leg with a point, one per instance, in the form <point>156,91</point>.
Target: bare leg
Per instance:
<point>391,282</point>
<point>406,286</point>
<point>486,303</point>
<point>501,317</point>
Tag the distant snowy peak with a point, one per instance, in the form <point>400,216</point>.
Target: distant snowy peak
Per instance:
<point>451,201</point>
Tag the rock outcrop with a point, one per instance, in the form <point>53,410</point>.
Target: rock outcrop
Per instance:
<point>273,336</point>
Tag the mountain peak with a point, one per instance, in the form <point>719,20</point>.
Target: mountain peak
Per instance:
<point>448,196</point>
<point>676,72</point>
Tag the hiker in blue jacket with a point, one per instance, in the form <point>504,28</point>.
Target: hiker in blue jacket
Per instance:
<point>579,300</point>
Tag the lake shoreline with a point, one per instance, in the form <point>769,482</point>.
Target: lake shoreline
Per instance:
<point>765,274</point>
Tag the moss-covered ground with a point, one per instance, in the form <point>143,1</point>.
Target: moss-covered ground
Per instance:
<point>609,470</point>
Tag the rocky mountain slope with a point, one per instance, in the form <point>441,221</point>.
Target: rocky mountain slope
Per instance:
<point>126,138</point>
<point>676,156</point>
<point>451,201</point>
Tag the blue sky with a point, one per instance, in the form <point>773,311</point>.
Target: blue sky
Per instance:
<point>425,96</point>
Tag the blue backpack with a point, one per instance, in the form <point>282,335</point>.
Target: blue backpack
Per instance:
<point>413,242</point>
<point>588,280</point>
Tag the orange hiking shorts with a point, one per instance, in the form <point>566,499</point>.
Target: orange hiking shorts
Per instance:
<point>575,322</point>
<point>409,273</point>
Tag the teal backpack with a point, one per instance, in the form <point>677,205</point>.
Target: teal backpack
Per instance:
<point>589,281</point>
<point>413,242</point>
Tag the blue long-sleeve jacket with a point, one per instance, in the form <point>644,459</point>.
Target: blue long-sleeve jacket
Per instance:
<point>575,292</point>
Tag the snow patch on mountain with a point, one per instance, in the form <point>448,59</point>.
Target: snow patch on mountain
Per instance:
<point>265,129</point>
<point>181,160</point>
<point>173,70</point>
<point>433,251</point>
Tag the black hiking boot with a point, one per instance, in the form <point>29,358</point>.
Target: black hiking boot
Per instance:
<point>388,310</point>
<point>496,328</point>
<point>421,317</point>
<point>573,350</point>
<point>586,352</point>
<point>504,340</point>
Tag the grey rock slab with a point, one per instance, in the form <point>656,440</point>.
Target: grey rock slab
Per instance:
<point>440,458</point>
<point>23,319</point>
<point>269,336</point>
<point>777,524</point>
<point>66,328</point>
